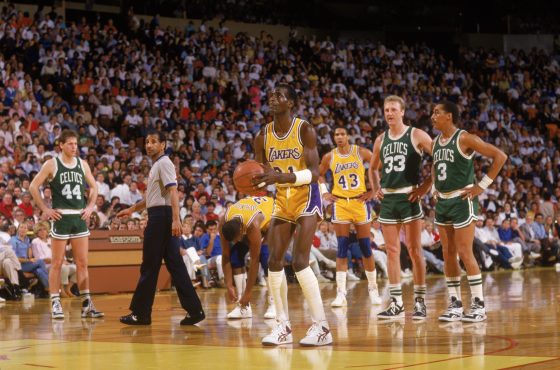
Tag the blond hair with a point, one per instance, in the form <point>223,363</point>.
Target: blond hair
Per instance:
<point>395,98</point>
<point>43,225</point>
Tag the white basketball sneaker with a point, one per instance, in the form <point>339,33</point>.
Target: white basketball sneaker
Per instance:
<point>340,300</point>
<point>240,312</point>
<point>374,296</point>
<point>318,334</point>
<point>281,334</point>
<point>271,310</point>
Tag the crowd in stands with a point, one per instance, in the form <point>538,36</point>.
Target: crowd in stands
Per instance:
<point>206,88</point>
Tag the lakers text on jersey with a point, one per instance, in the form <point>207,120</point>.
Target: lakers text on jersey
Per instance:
<point>285,155</point>
<point>348,184</point>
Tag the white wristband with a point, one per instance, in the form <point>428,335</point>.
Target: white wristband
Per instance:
<point>303,177</point>
<point>323,188</point>
<point>433,189</point>
<point>485,182</point>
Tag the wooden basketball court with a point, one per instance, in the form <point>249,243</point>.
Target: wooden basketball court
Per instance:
<point>522,331</point>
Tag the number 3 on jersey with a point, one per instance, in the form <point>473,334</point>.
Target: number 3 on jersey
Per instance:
<point>69,193</point>
<point>354,181</point>
<point>442,171</point>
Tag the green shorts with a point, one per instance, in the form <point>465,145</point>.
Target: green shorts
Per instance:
<point>456,211</point>
<point>397,209</point>
<point>69,227</point>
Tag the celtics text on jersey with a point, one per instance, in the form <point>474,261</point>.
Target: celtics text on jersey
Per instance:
<point>400,161</point>
<point>454,169</point>
<point>67,185</point>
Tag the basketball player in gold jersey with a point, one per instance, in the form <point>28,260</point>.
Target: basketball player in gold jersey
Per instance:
<point>397,154</point>
<point>247,219</point>
<point>348,197</point>
<point>287,147</point>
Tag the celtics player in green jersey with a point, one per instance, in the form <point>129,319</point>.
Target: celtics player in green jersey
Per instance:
<point>397,154</point>
<point>67,175</point>
<point>457,205</point>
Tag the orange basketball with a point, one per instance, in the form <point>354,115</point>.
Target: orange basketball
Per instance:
<point>243,178</point>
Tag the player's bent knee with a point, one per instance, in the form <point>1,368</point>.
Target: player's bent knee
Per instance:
<point>342,251</point>
<point>365,247</point>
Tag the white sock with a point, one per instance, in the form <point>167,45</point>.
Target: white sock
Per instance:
<point>475,283</point>
<point>312,293</point>
<point>275,283</point>
<point>244,281</point>
<point>238,279</point>
<point>395,291</point>
<point>84,294</point>
<point>55,296</point>
<point>372,279</point>
<point>454,287</point>
<point>420,291</point>
<point>219,267</point>
<point>341,281</point>
<point>284,295</point>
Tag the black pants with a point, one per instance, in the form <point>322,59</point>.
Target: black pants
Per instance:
<point>158,244</point>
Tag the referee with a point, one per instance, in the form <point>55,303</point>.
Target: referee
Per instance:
<point>161,240</point>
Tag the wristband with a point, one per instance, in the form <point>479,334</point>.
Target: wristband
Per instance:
<point>303,177</point>
<point>485,182</point>
<point>323,188</point>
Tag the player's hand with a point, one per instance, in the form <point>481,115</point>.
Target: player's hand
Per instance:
<point>472,192</point>
<point>125,212</point>
<point>415,195</point>
<point>176,228</point>
<point>378,194</point>
<point>86,213</point>
<point>245,299</point>
<point>232,294</point>
<point>366,197</point>
<point>53,214</point>
<point>329,197</point>
<point>269,177</point>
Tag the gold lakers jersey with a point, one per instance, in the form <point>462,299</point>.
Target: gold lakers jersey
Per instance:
<point>348,173</point>
<point>247,208</point>
<point>285,154</point>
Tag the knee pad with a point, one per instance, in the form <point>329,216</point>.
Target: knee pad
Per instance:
<point>365,247</point>
<point>342,251</point>
<point>237,258</point>
<point>264,257</point>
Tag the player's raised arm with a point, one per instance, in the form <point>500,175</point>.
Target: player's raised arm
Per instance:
<point>323,168</point>
<point>46,171</point>
<point>469,143</point>
<point>374,166</point>
<point>425,144</point>
<point>298,178</point>
<point>259,148</point>
<point>92,197</point>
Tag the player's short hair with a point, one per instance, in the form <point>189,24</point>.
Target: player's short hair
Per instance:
<point>231,229</point>
<point>450,107</point>
<point>160,135</point>
<point>67,134</point>
<point>395,98</point>
<point>290,92</point>
<point>342,128</point>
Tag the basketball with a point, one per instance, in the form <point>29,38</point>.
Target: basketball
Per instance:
<point>243,178</point>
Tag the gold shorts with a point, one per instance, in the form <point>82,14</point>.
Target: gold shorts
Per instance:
<point>350,211</point>
<point>291,203</point>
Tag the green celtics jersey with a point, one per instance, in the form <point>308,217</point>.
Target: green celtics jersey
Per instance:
<point>400,161</point>
<point>453,169</point>
<point>67,185</point>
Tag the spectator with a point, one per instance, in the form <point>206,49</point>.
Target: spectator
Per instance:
<point>21,245</point>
